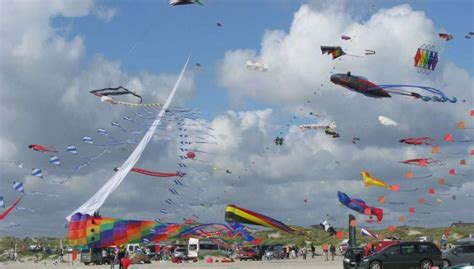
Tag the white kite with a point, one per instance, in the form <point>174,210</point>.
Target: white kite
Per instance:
<point>329,129</point>
<point>97,200</point>
<point>387,121</point>
<point>257,66</point>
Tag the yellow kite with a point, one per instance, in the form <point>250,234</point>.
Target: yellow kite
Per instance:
<point>372,181</point>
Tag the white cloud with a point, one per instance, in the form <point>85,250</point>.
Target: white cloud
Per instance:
<point>105,13</point>
<point>45,100</point>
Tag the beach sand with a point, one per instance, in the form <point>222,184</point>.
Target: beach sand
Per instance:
<point>316,263</point>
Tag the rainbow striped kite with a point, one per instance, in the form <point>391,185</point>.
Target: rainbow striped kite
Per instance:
<point>98,232</point>
<point>426,59</point>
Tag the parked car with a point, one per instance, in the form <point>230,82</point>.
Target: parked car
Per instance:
<point>248,254</point>
<point>463,266</point>
<point>379,245</point>
<point>350,257</point>
<point>180,253</point>
<point>405,255</point>
<point>459,254</point>
<point>274,252</point>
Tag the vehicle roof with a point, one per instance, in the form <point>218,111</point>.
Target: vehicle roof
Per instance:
<point>464,243</point>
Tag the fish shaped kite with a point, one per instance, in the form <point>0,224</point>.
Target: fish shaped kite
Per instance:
<point>418,141</point>
<point>41,148</point>
<point>372,181</point>
<point>106,94</point>
<point>363,86</point>
<point>360,206</point>
<point>421,161</point>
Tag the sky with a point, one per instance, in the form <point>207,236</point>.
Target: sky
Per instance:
<point>54,52</point>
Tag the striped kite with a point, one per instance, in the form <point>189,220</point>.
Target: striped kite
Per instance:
<point>245,216</point>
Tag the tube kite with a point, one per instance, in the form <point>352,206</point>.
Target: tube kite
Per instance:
<point>41,148</point>
<point>421,161</point>
<point>360,206</point>
<point>98,199</point>
<point>9,209</point>
<point>372,181</point>
<point>98,232</point>
<point>417,141</point>
<point>241,215</point>
<point>329,129</point>
<point>363,86</point>
<point>154,174</point>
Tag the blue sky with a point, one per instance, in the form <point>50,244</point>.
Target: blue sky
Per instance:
<point>44,99</point>
<point>151,36</point>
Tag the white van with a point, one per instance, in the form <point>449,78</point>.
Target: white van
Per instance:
<point>132,248</point>
<point>193,248</point>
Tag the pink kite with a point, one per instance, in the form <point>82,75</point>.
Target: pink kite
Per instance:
<point>421,161</point>
<point>41,148</point>
<point>417,141</point>
<point>156,174</point>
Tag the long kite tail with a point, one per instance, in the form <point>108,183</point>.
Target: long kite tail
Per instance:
<point>98,199</point>
<point>137,105</point>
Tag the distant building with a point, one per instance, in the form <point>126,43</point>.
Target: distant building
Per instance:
<point>462,225</point>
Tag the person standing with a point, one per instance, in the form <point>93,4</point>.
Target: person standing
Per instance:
<point>332,249</point>
<point>61,255</point>
<point>287,250</point>
<point>120,256</point>
<point>304,251</point>
<point>313,250</point>
<point>326,250</point>
<point>113,259</point>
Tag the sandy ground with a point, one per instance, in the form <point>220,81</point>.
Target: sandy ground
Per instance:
<point>316,263</point>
